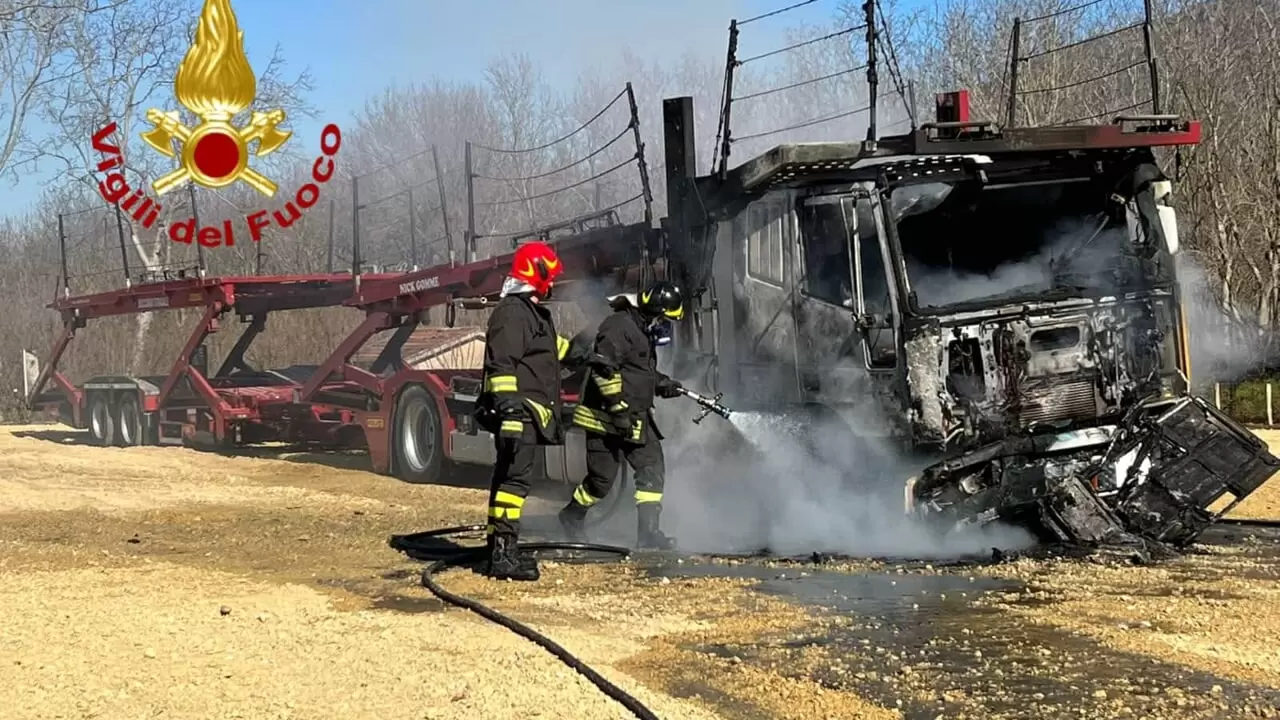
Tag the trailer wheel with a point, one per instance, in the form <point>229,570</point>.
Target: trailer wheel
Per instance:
<point>416,443</point>
<point>102,426</point>
<point>130,422</point>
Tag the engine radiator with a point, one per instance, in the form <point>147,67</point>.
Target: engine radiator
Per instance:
<point>1058,401</point>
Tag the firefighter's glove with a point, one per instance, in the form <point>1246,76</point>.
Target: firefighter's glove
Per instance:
<point>620,417</point>
<point>601,365</point>
<point>668,388</point>
<point>508,407</point>
<point>579,352</point>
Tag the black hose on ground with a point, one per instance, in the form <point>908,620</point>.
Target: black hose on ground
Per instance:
<point>427,546</point>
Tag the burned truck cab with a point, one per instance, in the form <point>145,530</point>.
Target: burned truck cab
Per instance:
<point>1035,288</point>
<point>1004,302</point>
<point>949,286</point>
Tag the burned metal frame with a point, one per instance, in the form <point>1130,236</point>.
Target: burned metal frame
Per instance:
<point>1016,59</point>
<point>724,132</point>
<point>470,234</point>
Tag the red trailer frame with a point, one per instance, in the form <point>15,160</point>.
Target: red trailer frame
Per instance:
<point>339,404</point>
<point>188,402</point>
<point>413,420</point>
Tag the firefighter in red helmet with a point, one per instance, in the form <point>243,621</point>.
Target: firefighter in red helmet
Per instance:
<point>520,401</point>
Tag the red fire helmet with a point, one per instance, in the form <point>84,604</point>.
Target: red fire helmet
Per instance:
<point>537,264</point>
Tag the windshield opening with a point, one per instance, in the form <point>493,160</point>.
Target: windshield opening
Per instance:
<point>964,242</point>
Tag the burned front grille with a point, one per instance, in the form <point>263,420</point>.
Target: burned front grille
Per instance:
<point>1059,401</point>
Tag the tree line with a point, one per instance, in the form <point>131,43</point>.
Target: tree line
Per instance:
<point>541,154</point>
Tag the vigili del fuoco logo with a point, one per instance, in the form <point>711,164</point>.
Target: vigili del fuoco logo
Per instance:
<point>216,83</point>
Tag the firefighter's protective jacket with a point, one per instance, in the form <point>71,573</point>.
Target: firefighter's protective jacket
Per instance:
<point>522,354</point>
<point>622,340</point>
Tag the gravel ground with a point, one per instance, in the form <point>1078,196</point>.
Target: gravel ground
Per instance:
<point>162,582</point>
<point>170,583</point>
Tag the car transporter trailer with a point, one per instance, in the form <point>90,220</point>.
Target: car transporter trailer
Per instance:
<point>410,420</point>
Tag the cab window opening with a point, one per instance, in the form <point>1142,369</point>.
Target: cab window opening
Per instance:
<point>965,243</point>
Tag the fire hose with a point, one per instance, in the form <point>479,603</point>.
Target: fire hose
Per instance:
<point>427,546</point>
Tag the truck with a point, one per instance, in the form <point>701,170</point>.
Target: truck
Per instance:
<point>986,298</point>
<point>1002,303</point>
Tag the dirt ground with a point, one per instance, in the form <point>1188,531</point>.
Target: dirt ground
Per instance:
<point>161,582</point>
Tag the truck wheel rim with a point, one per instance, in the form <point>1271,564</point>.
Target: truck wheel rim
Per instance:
<point>99,420</point>
<point>416,436</point>
<point>127,417</point>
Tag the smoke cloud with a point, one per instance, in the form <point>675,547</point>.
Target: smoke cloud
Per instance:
<point>1076,252</point>
<point>1221,347</point>
<point>796,483</point>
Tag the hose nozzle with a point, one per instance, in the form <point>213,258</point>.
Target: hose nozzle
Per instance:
<point>709,405</point>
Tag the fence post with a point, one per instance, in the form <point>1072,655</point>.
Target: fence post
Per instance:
<point>1217,395</point>
<point>1270,422</point>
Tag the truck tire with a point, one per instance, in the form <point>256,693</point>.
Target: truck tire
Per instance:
<point>416,446</point>
<point>102,423</point>
<point>129,424</point>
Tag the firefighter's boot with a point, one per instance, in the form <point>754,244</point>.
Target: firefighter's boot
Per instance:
<point>506,562</point>
<point>649,536</point>
<point>573,519</point>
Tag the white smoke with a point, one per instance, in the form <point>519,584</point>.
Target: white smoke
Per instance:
<point>1223,348</point>
<point>794,485</point>
<point>1077,250</point>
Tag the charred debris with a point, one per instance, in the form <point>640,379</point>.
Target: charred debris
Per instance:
<point>1150,482</point>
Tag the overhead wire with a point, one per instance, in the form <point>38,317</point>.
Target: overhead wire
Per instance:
<point>895,70</point>
<point>795,85</point>
<point>557,141</point>
<point>1078,43</point>
<point>528,231</point>
<point>779,11</point>
<point>398,193</point>
<point>556,191</point>
<point>561,169</point>
<point>1015,93</point>
<point>1063,11</point>
<point>801,44</point>
<point>1086,81</point>
<point>807,123</point>
<point>393,163</point>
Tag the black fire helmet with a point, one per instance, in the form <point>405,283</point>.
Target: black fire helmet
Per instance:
<point>662,299</point>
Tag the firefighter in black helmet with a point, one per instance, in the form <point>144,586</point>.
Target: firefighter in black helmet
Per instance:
<point>520,400</point>
<point>616,410</point>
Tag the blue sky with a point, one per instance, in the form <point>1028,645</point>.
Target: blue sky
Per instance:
<point>356,48</point>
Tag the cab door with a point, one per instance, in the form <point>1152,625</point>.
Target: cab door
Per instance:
<point>829,362</point>
<point>876,303</point>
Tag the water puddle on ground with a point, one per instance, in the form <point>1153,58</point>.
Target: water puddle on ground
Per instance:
<point>912,638</point>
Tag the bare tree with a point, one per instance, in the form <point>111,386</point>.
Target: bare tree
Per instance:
<point>124,59</point>
<point>34,40</point>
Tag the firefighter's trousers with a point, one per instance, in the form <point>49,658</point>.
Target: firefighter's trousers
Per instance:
<point>512,477</point>
<point>605,454</point>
